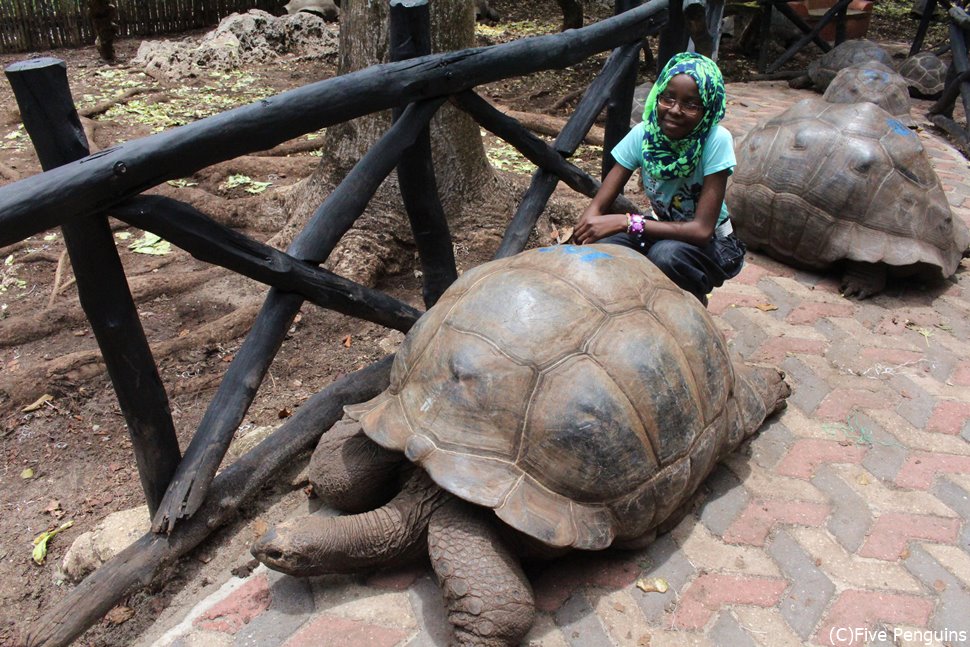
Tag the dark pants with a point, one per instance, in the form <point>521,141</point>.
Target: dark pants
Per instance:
<point>695,269</point>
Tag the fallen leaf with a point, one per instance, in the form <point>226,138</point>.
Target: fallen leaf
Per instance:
<point>27,474</point>
<point>766,307</point>
<point>40,542</point>
<point>926,332</point>
<point>347,341</point>
<point>119,615</point>
<point>863,479</point>
<point>40,402</point>
<point>653,584</point>
<point>151,244</point>
<point>284,413</point>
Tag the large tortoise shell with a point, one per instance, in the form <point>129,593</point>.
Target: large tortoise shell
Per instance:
<point>575,390</point>
<point>823,69</point>
<point>823,182</point>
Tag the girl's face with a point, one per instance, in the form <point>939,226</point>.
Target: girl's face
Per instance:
<point>679,107</point>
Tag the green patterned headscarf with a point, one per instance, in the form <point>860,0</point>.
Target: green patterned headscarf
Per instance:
<point>665,158</point>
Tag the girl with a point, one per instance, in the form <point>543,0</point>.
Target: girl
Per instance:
<point>685,159</point>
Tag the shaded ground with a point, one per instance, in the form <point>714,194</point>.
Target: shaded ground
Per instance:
<point>68,457</point>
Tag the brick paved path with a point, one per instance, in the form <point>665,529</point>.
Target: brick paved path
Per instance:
<point>844,521</point>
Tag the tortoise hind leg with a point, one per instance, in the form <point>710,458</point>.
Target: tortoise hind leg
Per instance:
<point>862,280</point>
<point>489,600</point>
<point>352,473</point>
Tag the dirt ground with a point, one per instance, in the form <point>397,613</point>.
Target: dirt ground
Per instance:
<point>65,451</point>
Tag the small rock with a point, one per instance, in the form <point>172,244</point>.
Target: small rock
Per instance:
<point>113,534</point>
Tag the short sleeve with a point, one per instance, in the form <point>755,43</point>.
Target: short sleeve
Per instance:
<point>719,152</point>
<point>629,152</point>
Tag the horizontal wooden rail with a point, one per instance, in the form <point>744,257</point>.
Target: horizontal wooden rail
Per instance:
<point>204,238</point>
<point>99,181</point>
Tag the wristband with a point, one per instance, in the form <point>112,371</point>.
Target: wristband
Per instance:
<point>634,223</point>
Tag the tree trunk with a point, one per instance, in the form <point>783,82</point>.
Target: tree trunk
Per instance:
<point>379,242</point>
<point>104,21</point>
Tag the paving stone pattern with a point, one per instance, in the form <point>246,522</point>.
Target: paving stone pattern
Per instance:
<point>844,522</point>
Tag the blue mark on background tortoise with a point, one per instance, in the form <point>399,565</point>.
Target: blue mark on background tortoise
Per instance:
<point>586,255</point>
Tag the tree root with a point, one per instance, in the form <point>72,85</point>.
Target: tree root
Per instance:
<point>68,370</point>
<point>107,104</point>
<point>23,329</point>
<point>552,126</point>
<point>293,147</point>
<point>61,262</point>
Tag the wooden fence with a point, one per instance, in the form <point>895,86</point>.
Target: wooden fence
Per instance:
<point>77,192</point>
<point>38,25</point>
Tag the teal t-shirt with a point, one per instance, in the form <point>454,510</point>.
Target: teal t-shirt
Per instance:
<point>675,199</point>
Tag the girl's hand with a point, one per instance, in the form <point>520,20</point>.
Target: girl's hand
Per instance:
<point>592,227</point>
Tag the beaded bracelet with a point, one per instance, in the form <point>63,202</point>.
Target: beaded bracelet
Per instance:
<point>634,223</point>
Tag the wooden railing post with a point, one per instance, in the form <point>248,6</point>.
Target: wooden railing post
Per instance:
<point>543,182</point>
<point>410,37</point>
<point>48,113</point>
<point>620,105</point>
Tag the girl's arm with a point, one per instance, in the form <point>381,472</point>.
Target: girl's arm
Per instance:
<point>595,223</point>
<point>696,232</point>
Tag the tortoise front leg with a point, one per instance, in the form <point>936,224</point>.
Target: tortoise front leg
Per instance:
<point>489,599</point>
<point>352,473</point>
<point>862,280</point>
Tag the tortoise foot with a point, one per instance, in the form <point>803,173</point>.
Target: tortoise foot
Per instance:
<point>862,280</point>
<point>489,600</point>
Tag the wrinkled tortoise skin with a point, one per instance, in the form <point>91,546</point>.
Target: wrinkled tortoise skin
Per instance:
<point>823,182</point>
<point>574,390</point>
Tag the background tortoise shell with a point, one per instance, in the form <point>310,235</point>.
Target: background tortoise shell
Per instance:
<point>925,74</point>
<point>824,182</point>
<point>873,82</point>
<point>575,390</point>
<point>823,69</point>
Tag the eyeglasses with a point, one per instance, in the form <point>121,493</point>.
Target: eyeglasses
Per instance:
<point>687,107</point>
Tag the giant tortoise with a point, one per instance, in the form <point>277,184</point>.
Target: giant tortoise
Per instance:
<point>823,184</point>
<point>573,393</point>
<point>822,70</point>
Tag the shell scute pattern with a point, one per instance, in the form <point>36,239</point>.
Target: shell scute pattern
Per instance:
<point>873,82</point>
<point>823,182</point>
<point>616,394</point>
<point>925,73</point>
<point>824,69</point>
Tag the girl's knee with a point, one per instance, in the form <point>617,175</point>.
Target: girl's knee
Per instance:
<point>669,255</point>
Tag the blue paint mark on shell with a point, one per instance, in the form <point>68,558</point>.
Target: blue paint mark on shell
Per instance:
<point>900,128</point>
<point>585,254</point>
